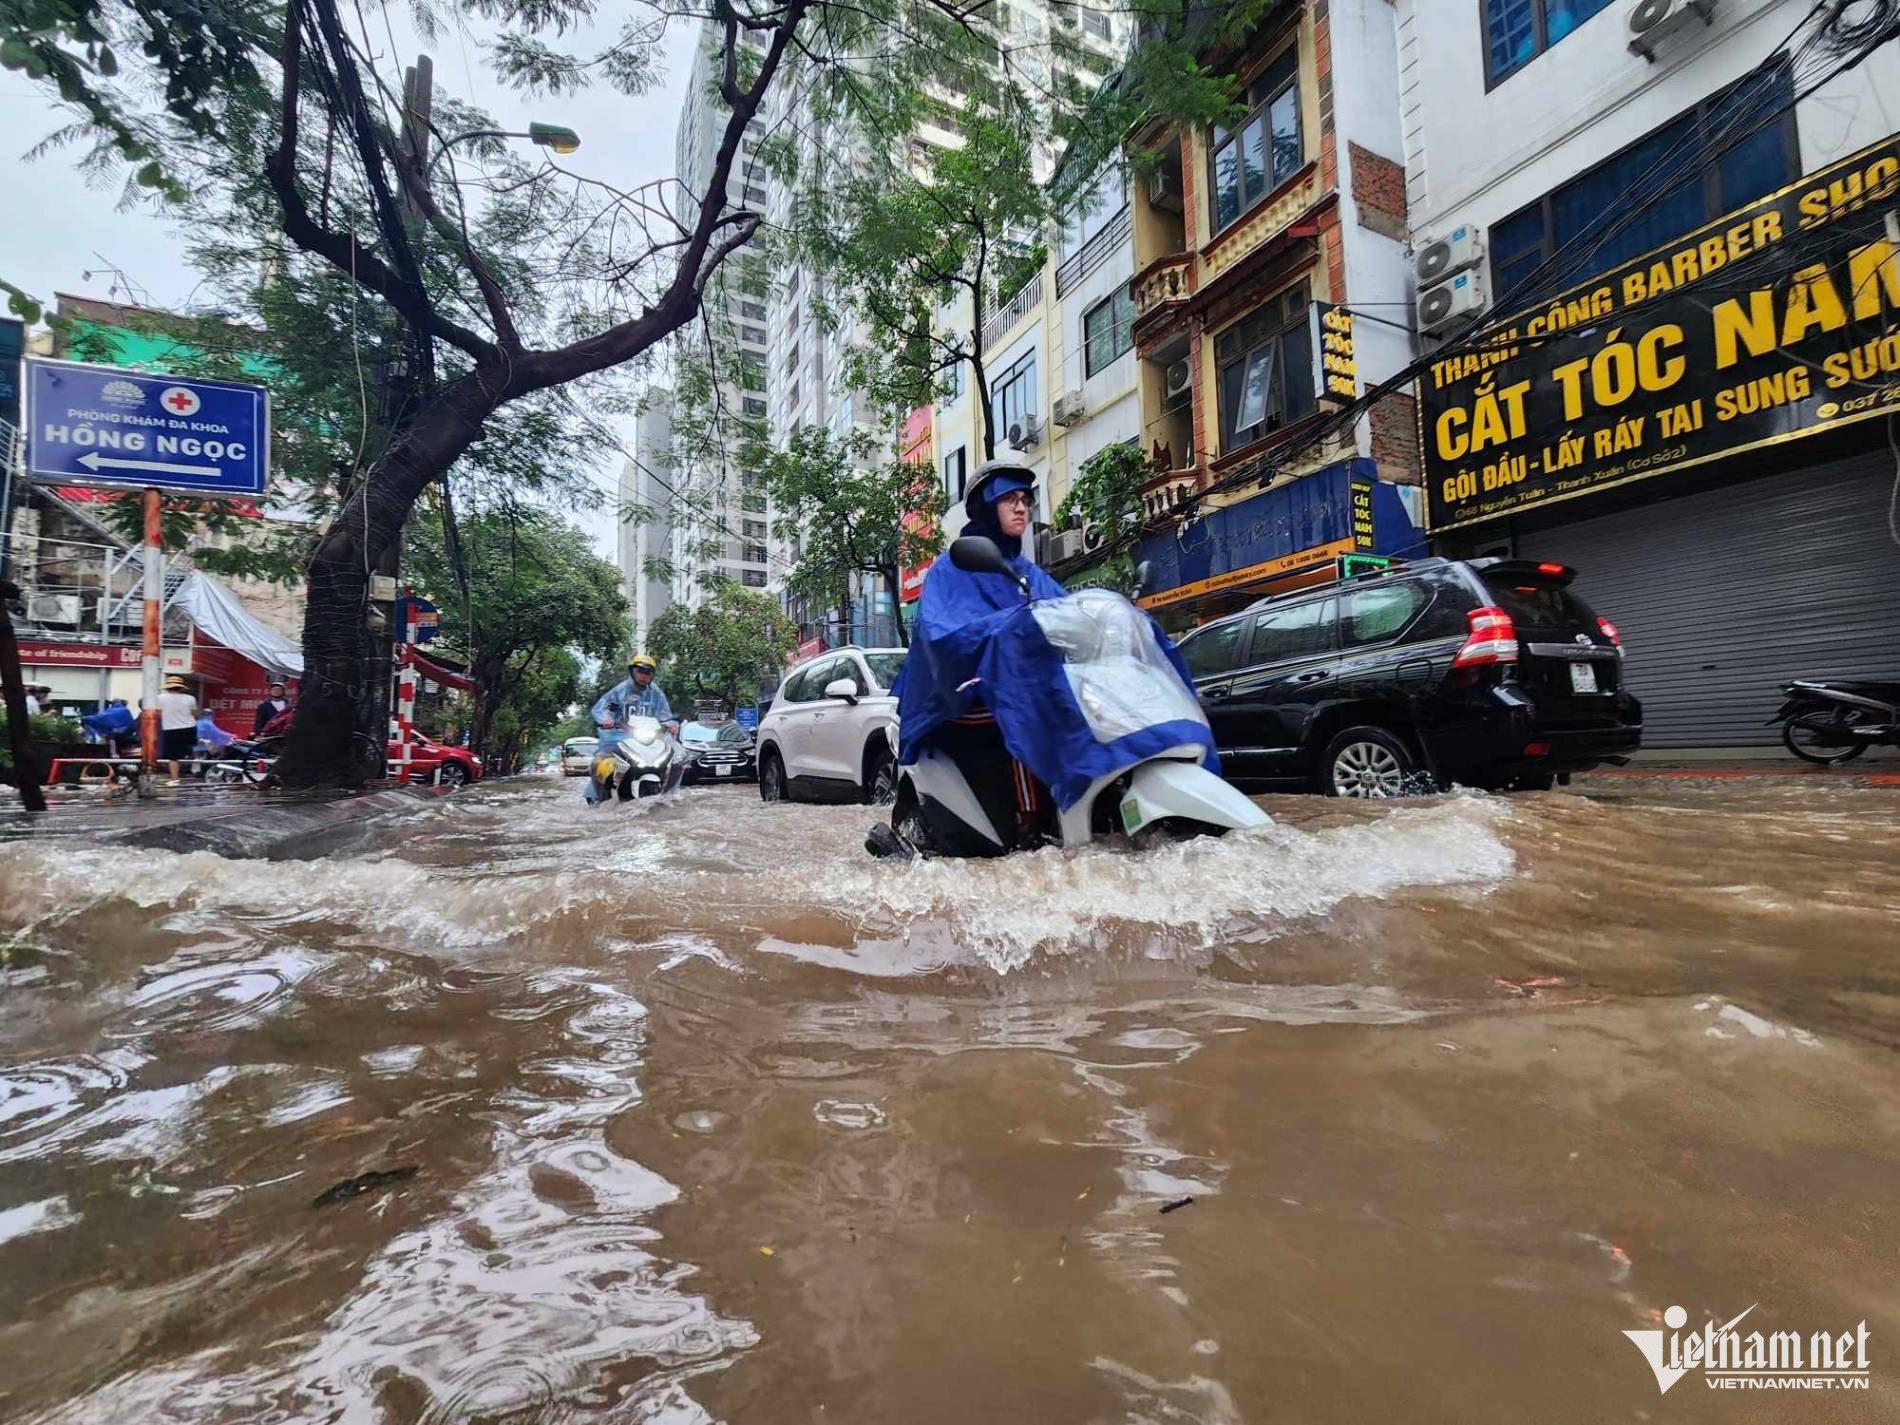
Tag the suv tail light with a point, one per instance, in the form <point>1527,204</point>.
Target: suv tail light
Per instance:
<point>1610,631</point>
<point>1493,639</point>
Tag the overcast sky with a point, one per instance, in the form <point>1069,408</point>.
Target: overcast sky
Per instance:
<point>64,235</point>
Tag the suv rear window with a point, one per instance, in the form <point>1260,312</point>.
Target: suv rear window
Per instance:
<point>1378,614</point>
<point>1537,605</point>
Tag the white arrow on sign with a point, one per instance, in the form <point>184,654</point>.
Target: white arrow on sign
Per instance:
<point>92,460</point>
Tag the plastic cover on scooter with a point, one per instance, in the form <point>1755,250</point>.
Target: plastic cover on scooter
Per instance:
<point>1081,686</point>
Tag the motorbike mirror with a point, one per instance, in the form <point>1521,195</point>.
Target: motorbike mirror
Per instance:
<point>1144,577</point>
<point>976,554</point>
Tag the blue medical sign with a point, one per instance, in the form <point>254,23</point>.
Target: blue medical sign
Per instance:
<point>101,425</point>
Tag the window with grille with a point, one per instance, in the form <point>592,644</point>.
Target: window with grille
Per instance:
<point>1517,31</point>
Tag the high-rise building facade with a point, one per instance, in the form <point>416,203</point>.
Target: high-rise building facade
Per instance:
<point>646,529</point>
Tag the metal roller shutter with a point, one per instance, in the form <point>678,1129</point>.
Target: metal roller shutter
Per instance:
<point>1723,595</point>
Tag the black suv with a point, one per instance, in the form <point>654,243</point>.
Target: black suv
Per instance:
<point>1489,672</point>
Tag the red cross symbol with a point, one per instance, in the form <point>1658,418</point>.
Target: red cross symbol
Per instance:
<point>180,400</point>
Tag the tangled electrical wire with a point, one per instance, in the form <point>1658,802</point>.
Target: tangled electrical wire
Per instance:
<point>1874,22</point>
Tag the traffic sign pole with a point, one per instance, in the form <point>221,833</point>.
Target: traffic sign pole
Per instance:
<point>154,595</point>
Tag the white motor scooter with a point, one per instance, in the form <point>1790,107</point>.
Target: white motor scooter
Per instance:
<point>948,802</point>
<point>645,763</point>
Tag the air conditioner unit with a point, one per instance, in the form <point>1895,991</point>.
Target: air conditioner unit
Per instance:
<point>1164,190</point>
<point>1450,304</point>
<point>1068,409</point>
<point>1180,378</point>
<point>53,608</point>
<point>1025,432</point>
<point>1064,545</point>
<point>1653,21</point>
<point>1458,249</point>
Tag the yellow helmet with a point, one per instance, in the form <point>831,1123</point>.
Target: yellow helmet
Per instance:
<point>643,660</point>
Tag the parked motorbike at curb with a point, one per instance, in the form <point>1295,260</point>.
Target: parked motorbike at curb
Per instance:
<point>1122,684</point>
<point>646,762</point>
<point>1831,723</point>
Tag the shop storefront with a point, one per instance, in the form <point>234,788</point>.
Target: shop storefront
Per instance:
<point>1715,461</point>
<point>1281,539</point>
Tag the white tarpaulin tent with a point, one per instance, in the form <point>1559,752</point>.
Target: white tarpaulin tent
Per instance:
<point>217,612</point>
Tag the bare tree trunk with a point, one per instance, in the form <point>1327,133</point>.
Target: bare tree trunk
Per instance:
<point>322,749</point>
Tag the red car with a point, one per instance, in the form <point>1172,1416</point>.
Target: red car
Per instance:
<point>432,763</point>
<point>456,766</point>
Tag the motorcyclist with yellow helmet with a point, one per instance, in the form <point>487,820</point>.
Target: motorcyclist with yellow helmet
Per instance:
<point>636,695</point>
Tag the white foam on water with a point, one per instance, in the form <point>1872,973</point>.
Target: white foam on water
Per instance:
<point>1192,894</point>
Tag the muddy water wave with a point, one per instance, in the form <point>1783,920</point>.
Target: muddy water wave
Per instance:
<point>690,1111</point>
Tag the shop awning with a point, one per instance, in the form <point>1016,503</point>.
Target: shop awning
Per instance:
<point>215,610</point>
<point>437,673</point>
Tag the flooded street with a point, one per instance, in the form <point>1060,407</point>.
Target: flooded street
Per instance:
<point>690,1111</point>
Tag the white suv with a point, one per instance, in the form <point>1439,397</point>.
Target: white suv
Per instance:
<point>831,732</point>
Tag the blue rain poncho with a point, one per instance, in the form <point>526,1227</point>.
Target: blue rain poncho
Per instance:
<point>1080,688</point>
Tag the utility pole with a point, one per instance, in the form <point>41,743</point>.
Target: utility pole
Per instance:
<point>26,764</point>
<point>400,381</point>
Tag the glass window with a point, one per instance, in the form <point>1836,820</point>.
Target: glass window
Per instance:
<point>1379,614</point>
<point>1265,149</point>
<point>1013,396</point>
<point>885,667</point>
<point>1213,650</point>
<point>793,690</point>
<point>1687,173</point>
<point>1265,366</point>
<point>752,578</point>
<point>754,406</point>
<point>1297,631</point>
<point>956,476</point>
<point>1517,31</point>
<point>1106,330</point>
<point>842,668</point>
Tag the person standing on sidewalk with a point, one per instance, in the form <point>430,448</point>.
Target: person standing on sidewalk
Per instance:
<point>177,724</point>
<point>277,702</point>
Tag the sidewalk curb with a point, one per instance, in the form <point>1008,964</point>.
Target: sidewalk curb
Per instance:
<point>283,833</point>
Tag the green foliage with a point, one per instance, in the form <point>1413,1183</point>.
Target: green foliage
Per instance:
<point>538,601</point>
<point>45,728</point>
<point>856,515</point>
<point>733,644</point>
<point>1107,492</point>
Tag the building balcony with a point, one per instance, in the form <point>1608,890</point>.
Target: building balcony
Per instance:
<point>1161,291</point>
<point>1166,492</point>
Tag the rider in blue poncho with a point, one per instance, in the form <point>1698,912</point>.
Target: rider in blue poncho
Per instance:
<point>1036,702</point>
<point>941,700</point>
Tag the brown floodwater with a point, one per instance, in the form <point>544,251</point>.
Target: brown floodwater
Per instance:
<point>690,1111</point>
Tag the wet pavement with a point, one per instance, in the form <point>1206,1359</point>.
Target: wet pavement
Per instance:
<point>689,1111</point>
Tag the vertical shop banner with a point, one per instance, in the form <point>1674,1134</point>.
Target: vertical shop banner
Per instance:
<point>1773,323</point>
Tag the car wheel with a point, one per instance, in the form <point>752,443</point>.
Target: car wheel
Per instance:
<point>1818,736</point>
<point>772,786</point>
<point>452,774</point>
<point>880,779</point>
<point>1365,762</point>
